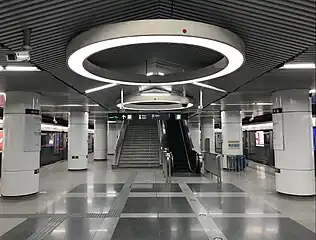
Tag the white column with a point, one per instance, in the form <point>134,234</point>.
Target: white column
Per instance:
<point>207,131</point>
<point>22,144</point>
<point>100,139</point>
<point>78,141</point>
<point>232,133</point>
<point>194,131</point>
<point>293,142</point>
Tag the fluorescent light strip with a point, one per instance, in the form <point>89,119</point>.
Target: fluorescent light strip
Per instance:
<point>235,58</point>
<point>299,66</point>
<point>21,69</point>
<point>1,68</point>
<point>209,87</point>
<point>149,74</point>
<point>70,105</point>
<point>312,91</point>
<point>100,88</point>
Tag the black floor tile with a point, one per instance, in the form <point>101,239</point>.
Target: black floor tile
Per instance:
<point>213,187</point>
<point>263,229</point>
<point>98,188</point>
<point>157,205</point>
<point>159,228</point>
<point>234,205</point>
<point>155,187</point>
<point>25,229</point>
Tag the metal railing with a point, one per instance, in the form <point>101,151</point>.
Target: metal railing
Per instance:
<point>119,142</point>
<point>212,165</point>
<point>185,147</point>
<point>167,164</point>
<point>234,163</point>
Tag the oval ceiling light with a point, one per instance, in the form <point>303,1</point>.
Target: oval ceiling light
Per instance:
<point>157,31</point>
<point>155,103</point>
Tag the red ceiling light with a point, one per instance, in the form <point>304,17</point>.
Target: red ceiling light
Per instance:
<point>184,30</point>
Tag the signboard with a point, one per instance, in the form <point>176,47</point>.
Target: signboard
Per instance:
<point>260,138</point>
<point>147,116</point>
<point>278,133</point>
<point>32,142</point>
<point>233,144</point>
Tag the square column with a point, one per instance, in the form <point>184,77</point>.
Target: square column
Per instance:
<point>207,131</point>
<point>293,142</point>
<point>21,144</point>
<point>100,139</point>
<point>78,141</point>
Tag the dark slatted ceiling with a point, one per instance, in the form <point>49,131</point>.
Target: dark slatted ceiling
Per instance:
<point>273,30</point>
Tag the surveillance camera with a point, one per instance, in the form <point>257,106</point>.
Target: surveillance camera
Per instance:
<point>184,102</point>
<point>18,56</point>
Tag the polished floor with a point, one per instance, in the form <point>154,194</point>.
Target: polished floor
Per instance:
<point>125,204</point>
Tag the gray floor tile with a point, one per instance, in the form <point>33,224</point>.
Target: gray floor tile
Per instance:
<point>157,205</point>
<point>97,188</point>
<point>159,228</point>
<point>263,229</point>
<point>82,205</point>
<point>155,187</point>
<point>213,187</point>
<point>25,229</point>
<point>76,229</point>
<point>6,224</point>
<point>234,205</point>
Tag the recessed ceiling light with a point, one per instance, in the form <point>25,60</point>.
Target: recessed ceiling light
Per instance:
<point>298,66</point>
<point>209,87</point>
<point>100,88</point>
<point>312,91</point>
<point>21,68</point>
<point>149,74</point>
<point>160,73</point>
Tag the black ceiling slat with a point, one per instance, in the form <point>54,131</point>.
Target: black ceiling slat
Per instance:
<point>266,30</point>
<point>56,15</point>
<point>236,8</point>
<point>292,5</point>
<point>254,21</point>
<point>259,10</point>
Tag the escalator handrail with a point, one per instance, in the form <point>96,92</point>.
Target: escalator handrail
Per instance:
<point>119,142</point>
<point>185,147</point>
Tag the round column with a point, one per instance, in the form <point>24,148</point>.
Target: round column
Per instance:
<point>21,144</point>
<point>293,142</point>
<point>232,133</point>
<point>78,141</point>
<point>100,139</point>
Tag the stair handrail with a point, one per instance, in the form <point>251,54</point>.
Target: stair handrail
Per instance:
<point>119,141</point>
<point>186,149</point>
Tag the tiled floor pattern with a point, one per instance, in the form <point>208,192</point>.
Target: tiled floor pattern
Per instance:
<point>120,204</point>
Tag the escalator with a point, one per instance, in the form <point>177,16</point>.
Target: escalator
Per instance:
<point>185,159</point>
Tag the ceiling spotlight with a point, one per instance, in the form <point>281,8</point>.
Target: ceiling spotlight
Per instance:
<point>12,68</point>
<point>154,74</point>
<point>100,88</point>
<point>209,87</point>
<point>149,74</point>
<point>298,66</point>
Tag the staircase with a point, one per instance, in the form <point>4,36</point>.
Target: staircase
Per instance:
<point>140,146</point>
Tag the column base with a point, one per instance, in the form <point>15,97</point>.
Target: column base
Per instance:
<point>295,182</point>
<point>100,159</point>
<point>77,170</point>
<point>80,163</point>
<point>19,184</point>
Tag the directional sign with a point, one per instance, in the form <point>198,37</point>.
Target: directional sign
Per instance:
<point>147,116</point>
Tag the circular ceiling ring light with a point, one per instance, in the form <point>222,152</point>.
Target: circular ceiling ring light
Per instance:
<point>163,105</point>
<point>160,31</point>
<point>140,102</point>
